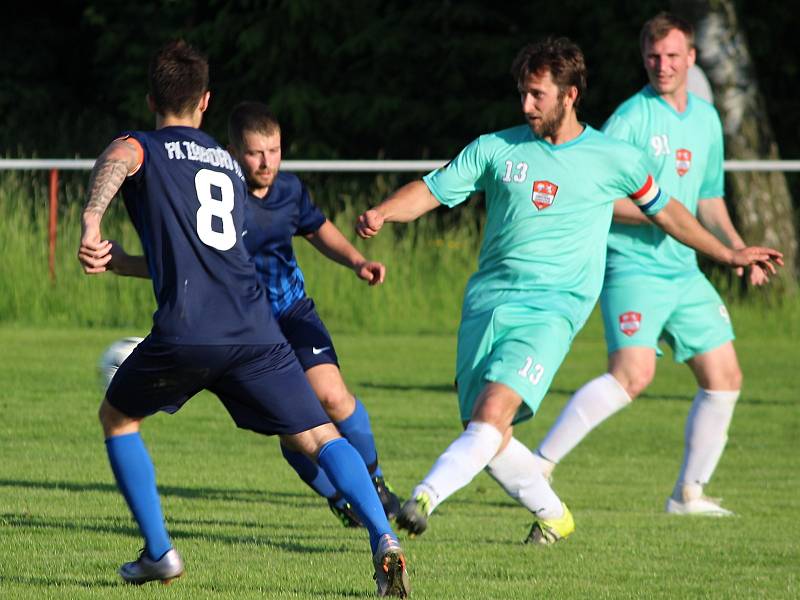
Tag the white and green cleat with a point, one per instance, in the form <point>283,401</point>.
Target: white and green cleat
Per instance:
<point>545,532</point>
<point>413,516</point>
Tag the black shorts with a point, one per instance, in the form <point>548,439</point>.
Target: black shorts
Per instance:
<point>263,388</point>
<point>307,335</point>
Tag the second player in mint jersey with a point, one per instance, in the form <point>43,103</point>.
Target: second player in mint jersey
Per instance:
<point>686,149</point>
<point>654,289</point>
<point>550,187</point>
<point>279,208</point>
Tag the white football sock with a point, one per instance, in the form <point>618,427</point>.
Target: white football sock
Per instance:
<point>588,407</point>
<point>516,471</point>
<point>705,438</point>
<point>461,462</point>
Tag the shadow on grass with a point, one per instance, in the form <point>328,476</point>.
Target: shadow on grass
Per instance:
<point>445,388</point>
<point>60,582</point>
<point>308,543</point>
<point>397,387</point>
<point>201,493</point>
<point>650,397</point>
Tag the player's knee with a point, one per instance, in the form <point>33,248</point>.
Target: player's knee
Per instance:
<point>338,403</point>
<point>104,414</point>
<point>735,378</point>
<point>332,400</point>
<point>115,422</point>
<point>497,409</point>
<point>635,380</point>
<point>721,377</point>
<point>728,379</point>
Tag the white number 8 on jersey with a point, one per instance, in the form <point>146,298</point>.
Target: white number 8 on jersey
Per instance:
<point>211,207</point>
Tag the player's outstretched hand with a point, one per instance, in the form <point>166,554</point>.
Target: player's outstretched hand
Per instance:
<point>369,224</point>
<point>764,259</point>
<point>94,253</point>
<point>372,272</point>
<point>756,276</point>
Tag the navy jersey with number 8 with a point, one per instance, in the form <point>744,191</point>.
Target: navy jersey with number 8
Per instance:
<point>189,213</point>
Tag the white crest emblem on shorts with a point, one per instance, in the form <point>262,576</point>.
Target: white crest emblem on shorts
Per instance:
<point>544,193</point>
<point>630,322</point>
<point>683,161</point>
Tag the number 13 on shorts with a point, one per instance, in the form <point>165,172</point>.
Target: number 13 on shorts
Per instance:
<point>531,371</point>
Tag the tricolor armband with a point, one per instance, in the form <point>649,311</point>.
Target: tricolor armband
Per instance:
<point>648,195</point>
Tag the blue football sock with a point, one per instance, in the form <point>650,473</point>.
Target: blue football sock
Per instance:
<point>357,430</point>
<point>311,474</point>
<point>136,479</point>
<point>347,471</point>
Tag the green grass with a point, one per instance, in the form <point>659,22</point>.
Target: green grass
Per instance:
<point>428,264</point>
<point>249,529</point>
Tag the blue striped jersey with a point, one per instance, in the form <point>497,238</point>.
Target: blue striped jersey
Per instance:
<point>286,211</point>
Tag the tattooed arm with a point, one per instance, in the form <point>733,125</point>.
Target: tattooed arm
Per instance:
<point>122,158</point>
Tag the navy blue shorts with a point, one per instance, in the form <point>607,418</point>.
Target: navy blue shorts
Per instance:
<point>263,388</point>
<point>307,335</point>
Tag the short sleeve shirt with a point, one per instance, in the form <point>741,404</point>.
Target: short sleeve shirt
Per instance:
<point>687,152</point>
<point>187,204</point>
<point>549,208</point>
<point>286,211</point>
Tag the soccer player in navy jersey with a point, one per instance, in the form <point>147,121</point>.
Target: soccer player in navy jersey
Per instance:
<point>213,328</point>
<point>278,208</point>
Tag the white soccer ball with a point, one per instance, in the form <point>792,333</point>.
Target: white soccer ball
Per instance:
<point>113,357</point>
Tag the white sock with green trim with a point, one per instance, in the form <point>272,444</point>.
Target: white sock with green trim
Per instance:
<point>461,462</point>
<point>516,471</point>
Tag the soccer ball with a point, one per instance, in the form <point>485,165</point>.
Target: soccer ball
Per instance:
<point>113,357</point>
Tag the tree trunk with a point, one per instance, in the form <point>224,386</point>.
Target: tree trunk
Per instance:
<point>761,200</point>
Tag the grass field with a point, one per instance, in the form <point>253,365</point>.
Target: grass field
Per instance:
<point>248,528</point>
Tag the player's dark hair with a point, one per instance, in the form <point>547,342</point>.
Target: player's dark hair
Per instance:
<point>178,77</point>
<point>253,117</point>
<point>560,56</point>
<point>659,27</point>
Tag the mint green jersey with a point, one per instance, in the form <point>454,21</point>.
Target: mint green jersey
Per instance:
<point>549,209</point>
<point>687,151</point>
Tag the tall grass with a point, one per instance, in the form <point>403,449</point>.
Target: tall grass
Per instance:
<point>428,263</point>
<point>28,295</point>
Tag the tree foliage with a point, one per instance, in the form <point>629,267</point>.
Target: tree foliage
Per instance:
<point>361,79</point>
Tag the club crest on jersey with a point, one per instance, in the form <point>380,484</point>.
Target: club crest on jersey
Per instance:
<point>630,322</point>
<point>683,161</point>
<point>544,193</point>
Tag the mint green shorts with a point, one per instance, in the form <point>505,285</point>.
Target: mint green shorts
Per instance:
<point>514,345</point>
<point>686,312</point>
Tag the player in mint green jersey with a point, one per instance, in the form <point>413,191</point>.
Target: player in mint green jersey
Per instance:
<point>653,287</point>
<point>550,188</point>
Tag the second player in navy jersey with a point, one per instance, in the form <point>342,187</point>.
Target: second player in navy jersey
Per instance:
<point>213,328</point>
<point>278,209</point>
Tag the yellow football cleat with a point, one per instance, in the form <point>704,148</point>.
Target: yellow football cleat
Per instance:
<point>550,531</point>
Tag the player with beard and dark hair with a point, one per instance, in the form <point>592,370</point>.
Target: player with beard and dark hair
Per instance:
<point>550,188</point>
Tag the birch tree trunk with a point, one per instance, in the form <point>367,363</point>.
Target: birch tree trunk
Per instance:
<point>762,202</point>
